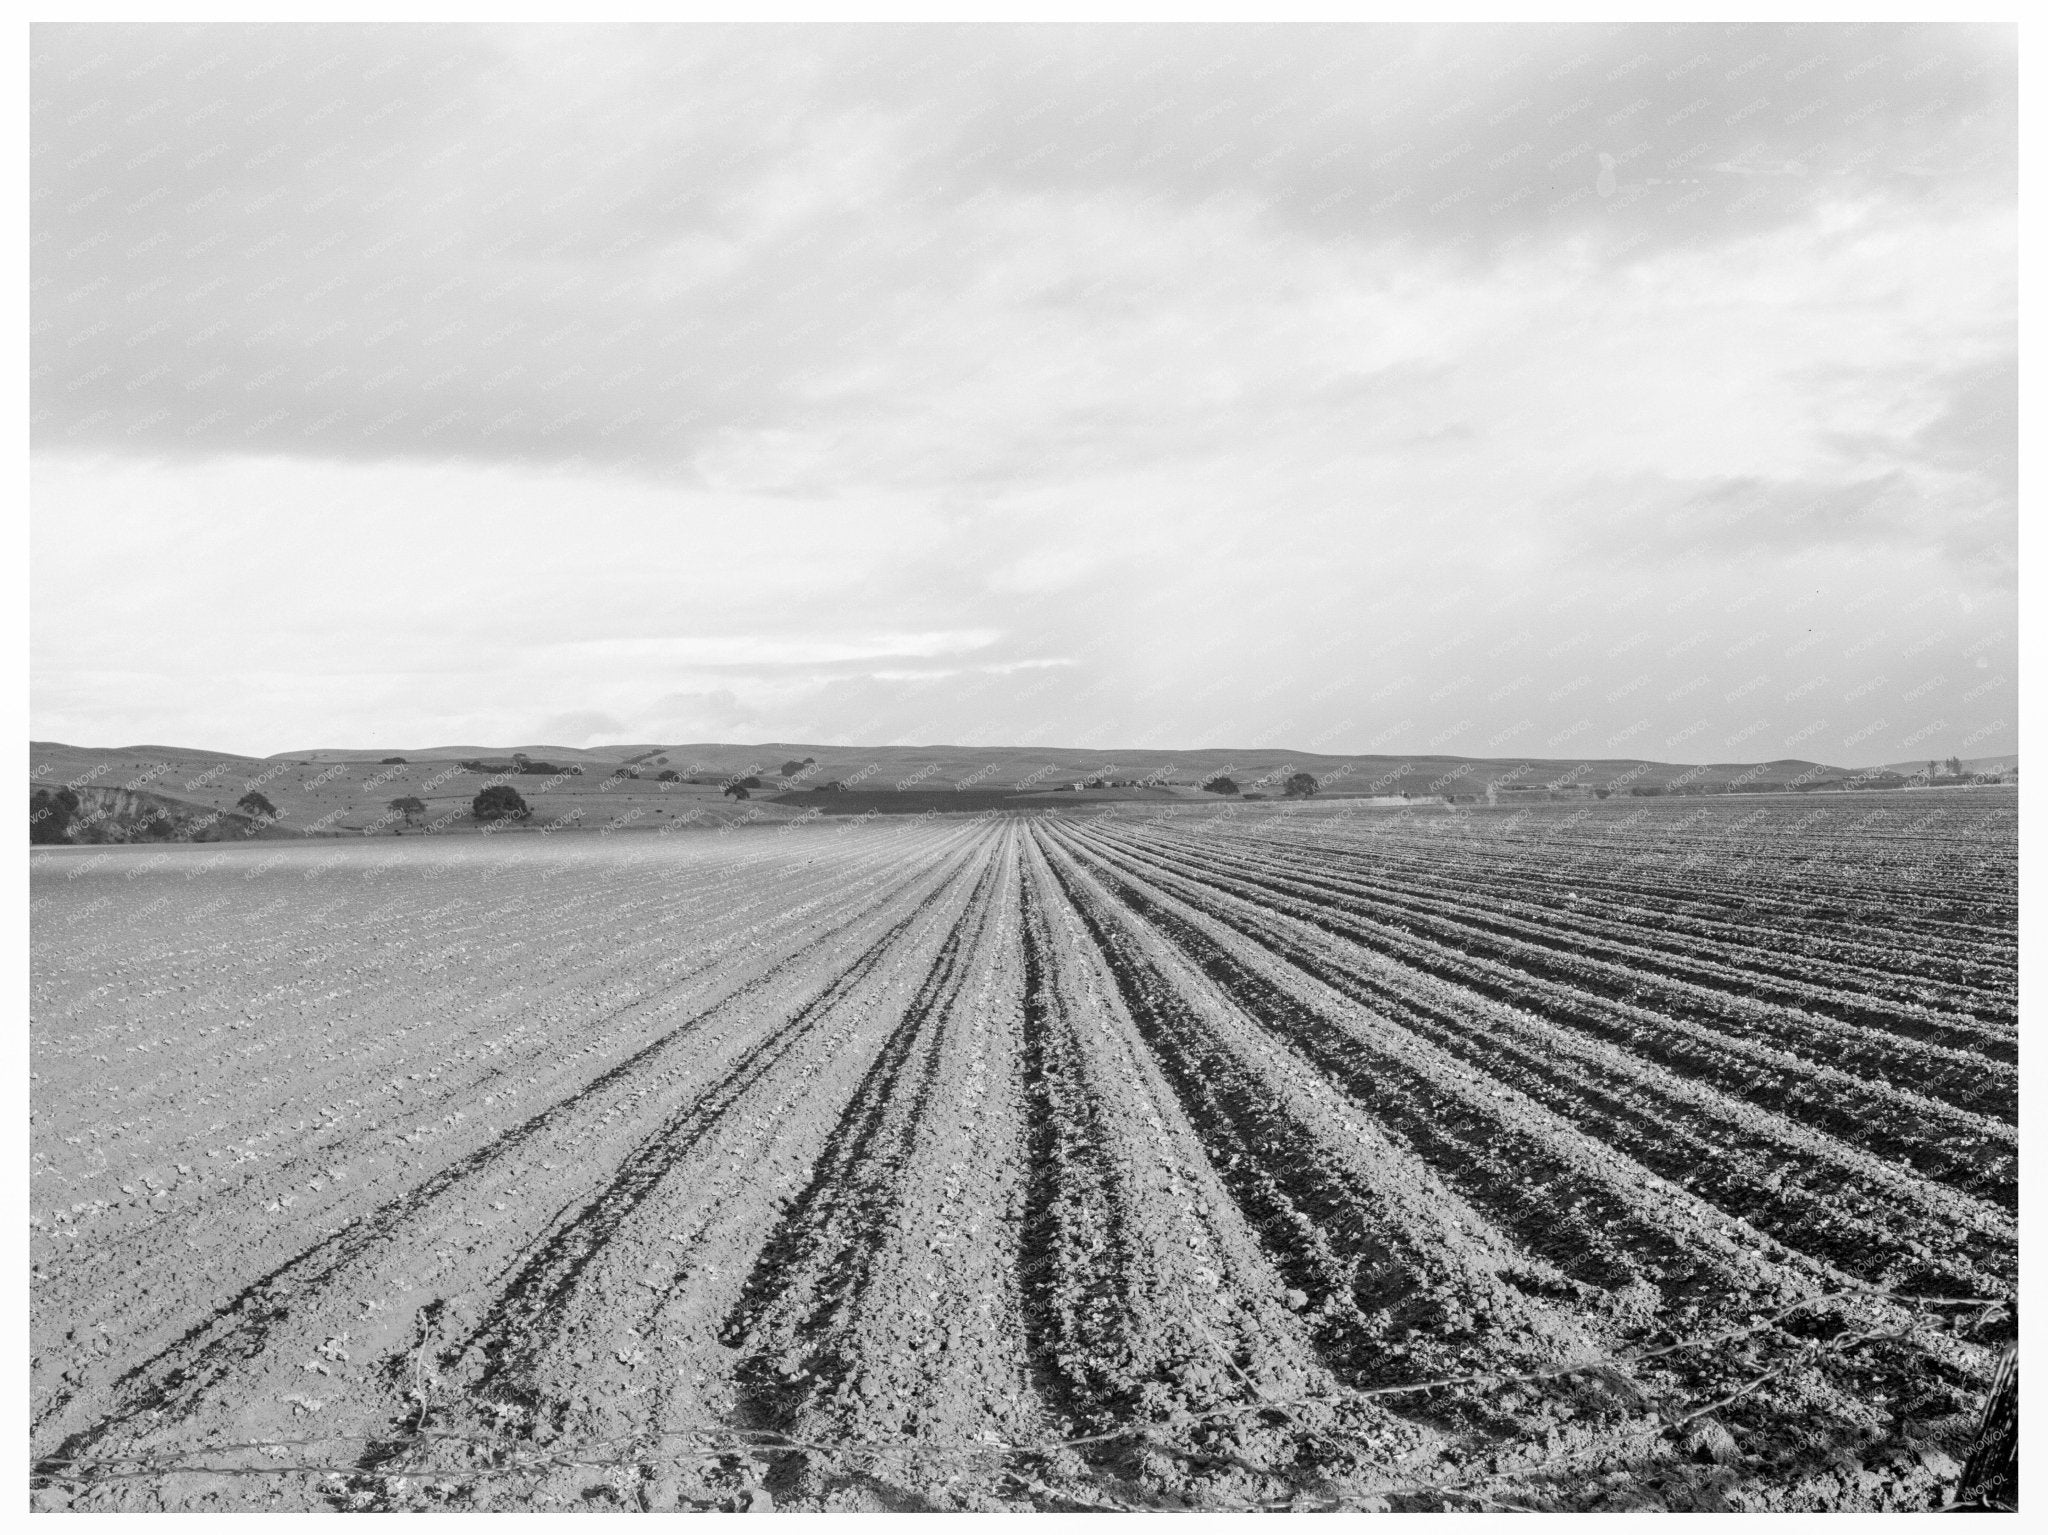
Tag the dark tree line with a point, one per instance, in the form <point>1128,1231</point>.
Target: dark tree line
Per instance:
<point>50,816</point>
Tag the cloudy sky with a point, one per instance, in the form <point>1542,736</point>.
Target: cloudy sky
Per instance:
<point>1577,391</point>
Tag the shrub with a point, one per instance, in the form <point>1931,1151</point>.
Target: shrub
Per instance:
<point>49,816</point>
<point>500,802</point>
<point>1220,785</point>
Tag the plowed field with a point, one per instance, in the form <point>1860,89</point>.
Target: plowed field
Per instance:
<point>1618,1157</point>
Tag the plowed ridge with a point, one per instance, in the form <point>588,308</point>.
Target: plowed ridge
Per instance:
<point>1035,1161</point>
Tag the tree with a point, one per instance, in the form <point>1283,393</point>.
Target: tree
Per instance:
<point>500,802</point>
<point>411,806</point>
<point>1302,786</point>
<point>1932,767</point>
<point>389,761</point>
<point>1955,767</point>
<point>256,805</point>
<point>750,782</point>
<point>49,816</point>
<point>791,769</point>
<point>668,775</point>
<point>736,790</point>
<point>1220,785</point>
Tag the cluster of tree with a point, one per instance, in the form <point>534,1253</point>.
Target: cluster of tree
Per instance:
<point>1299,786</point>
<point>1952,771</point>
<point>739,786</point>
<point>500,802</point>
<point>50,816</point>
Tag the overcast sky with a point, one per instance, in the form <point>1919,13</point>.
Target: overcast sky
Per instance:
<point>1575,391</point>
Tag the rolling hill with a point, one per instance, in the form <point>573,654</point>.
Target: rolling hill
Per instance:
<point>340,791</point>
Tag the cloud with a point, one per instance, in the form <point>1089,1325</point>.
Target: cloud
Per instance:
<point>686,249</point>
<point>764,651</point>
<point>700,716</point>
<point>579,727</point>
<point>1127,382</point>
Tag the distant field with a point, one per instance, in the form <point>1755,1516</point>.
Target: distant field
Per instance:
<point>954,801</point>
<point>1064,1161</point>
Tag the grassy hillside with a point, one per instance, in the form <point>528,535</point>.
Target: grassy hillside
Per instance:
<point>1028,767</point>
<point>345,795</point>
<point>2006,764</point>
<point>335,791</point>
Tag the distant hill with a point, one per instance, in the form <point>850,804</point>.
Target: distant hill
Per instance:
<point>338,791</point>
<point>603,755</point>
<point>926,768</point>
<point>2008,764</point>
